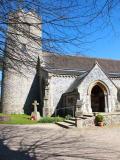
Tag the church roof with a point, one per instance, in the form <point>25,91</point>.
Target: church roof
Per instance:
<point>61,63</point>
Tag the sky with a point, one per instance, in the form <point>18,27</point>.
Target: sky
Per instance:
<point>107,44</point>
<point>103,40</point>
<point>106,41</point>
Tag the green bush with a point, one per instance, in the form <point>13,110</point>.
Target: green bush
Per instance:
<point>49,119</point>
<point>99,118</point>
<point>67,117</point>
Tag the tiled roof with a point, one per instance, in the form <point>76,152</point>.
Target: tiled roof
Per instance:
<point>77,63</point>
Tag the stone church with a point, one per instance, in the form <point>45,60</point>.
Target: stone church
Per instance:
<point>55,81</point>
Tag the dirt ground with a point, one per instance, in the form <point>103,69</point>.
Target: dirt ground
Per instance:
<point>50,142</point>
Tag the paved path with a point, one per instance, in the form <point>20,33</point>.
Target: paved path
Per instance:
<point>49,142</point>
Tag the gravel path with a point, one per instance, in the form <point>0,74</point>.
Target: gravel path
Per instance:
<point>50,142</point>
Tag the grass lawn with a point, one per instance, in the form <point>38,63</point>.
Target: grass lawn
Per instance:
<point>18,119</point>
<point>25,119</point>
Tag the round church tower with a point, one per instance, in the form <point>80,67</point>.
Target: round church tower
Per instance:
<point>23,47</point>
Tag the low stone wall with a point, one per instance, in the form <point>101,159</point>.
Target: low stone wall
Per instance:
<point>109,119</point>
<point>89,122</point>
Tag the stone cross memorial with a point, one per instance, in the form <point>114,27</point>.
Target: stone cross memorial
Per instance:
<point>35,104</point>
<point>35,114</point>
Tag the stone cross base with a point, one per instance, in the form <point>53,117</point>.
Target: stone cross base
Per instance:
<point>46,111</point>
<point>35,116</point>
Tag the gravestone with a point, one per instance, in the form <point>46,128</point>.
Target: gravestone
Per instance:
<point>35,115</point>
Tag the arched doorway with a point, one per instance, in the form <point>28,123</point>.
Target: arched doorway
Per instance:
<point>97,99</point>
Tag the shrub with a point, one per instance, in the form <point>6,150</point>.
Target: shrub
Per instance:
<point>49,119</point>
<point>99,118</point>
<point>67,117</point>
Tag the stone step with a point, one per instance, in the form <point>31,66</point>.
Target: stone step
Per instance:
<point>72,118</point>
<point>81,117</point>
<point>88,115</point>
<point>65,125</point>
<point>70,121</point>
<point>82,121</point>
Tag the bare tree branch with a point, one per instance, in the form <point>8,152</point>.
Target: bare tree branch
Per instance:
<point>63,23</point>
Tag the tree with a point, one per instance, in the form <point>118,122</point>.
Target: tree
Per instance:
<point>64,24</point>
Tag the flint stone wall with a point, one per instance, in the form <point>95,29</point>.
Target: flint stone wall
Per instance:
<point>58,86</point>
<point>19,79</point>
<point>109,119</point>
<point>112,119</point>
<point>96,74</point>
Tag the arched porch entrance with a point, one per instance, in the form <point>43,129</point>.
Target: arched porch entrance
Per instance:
<point>99,96</point>
<point>97,99</point>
